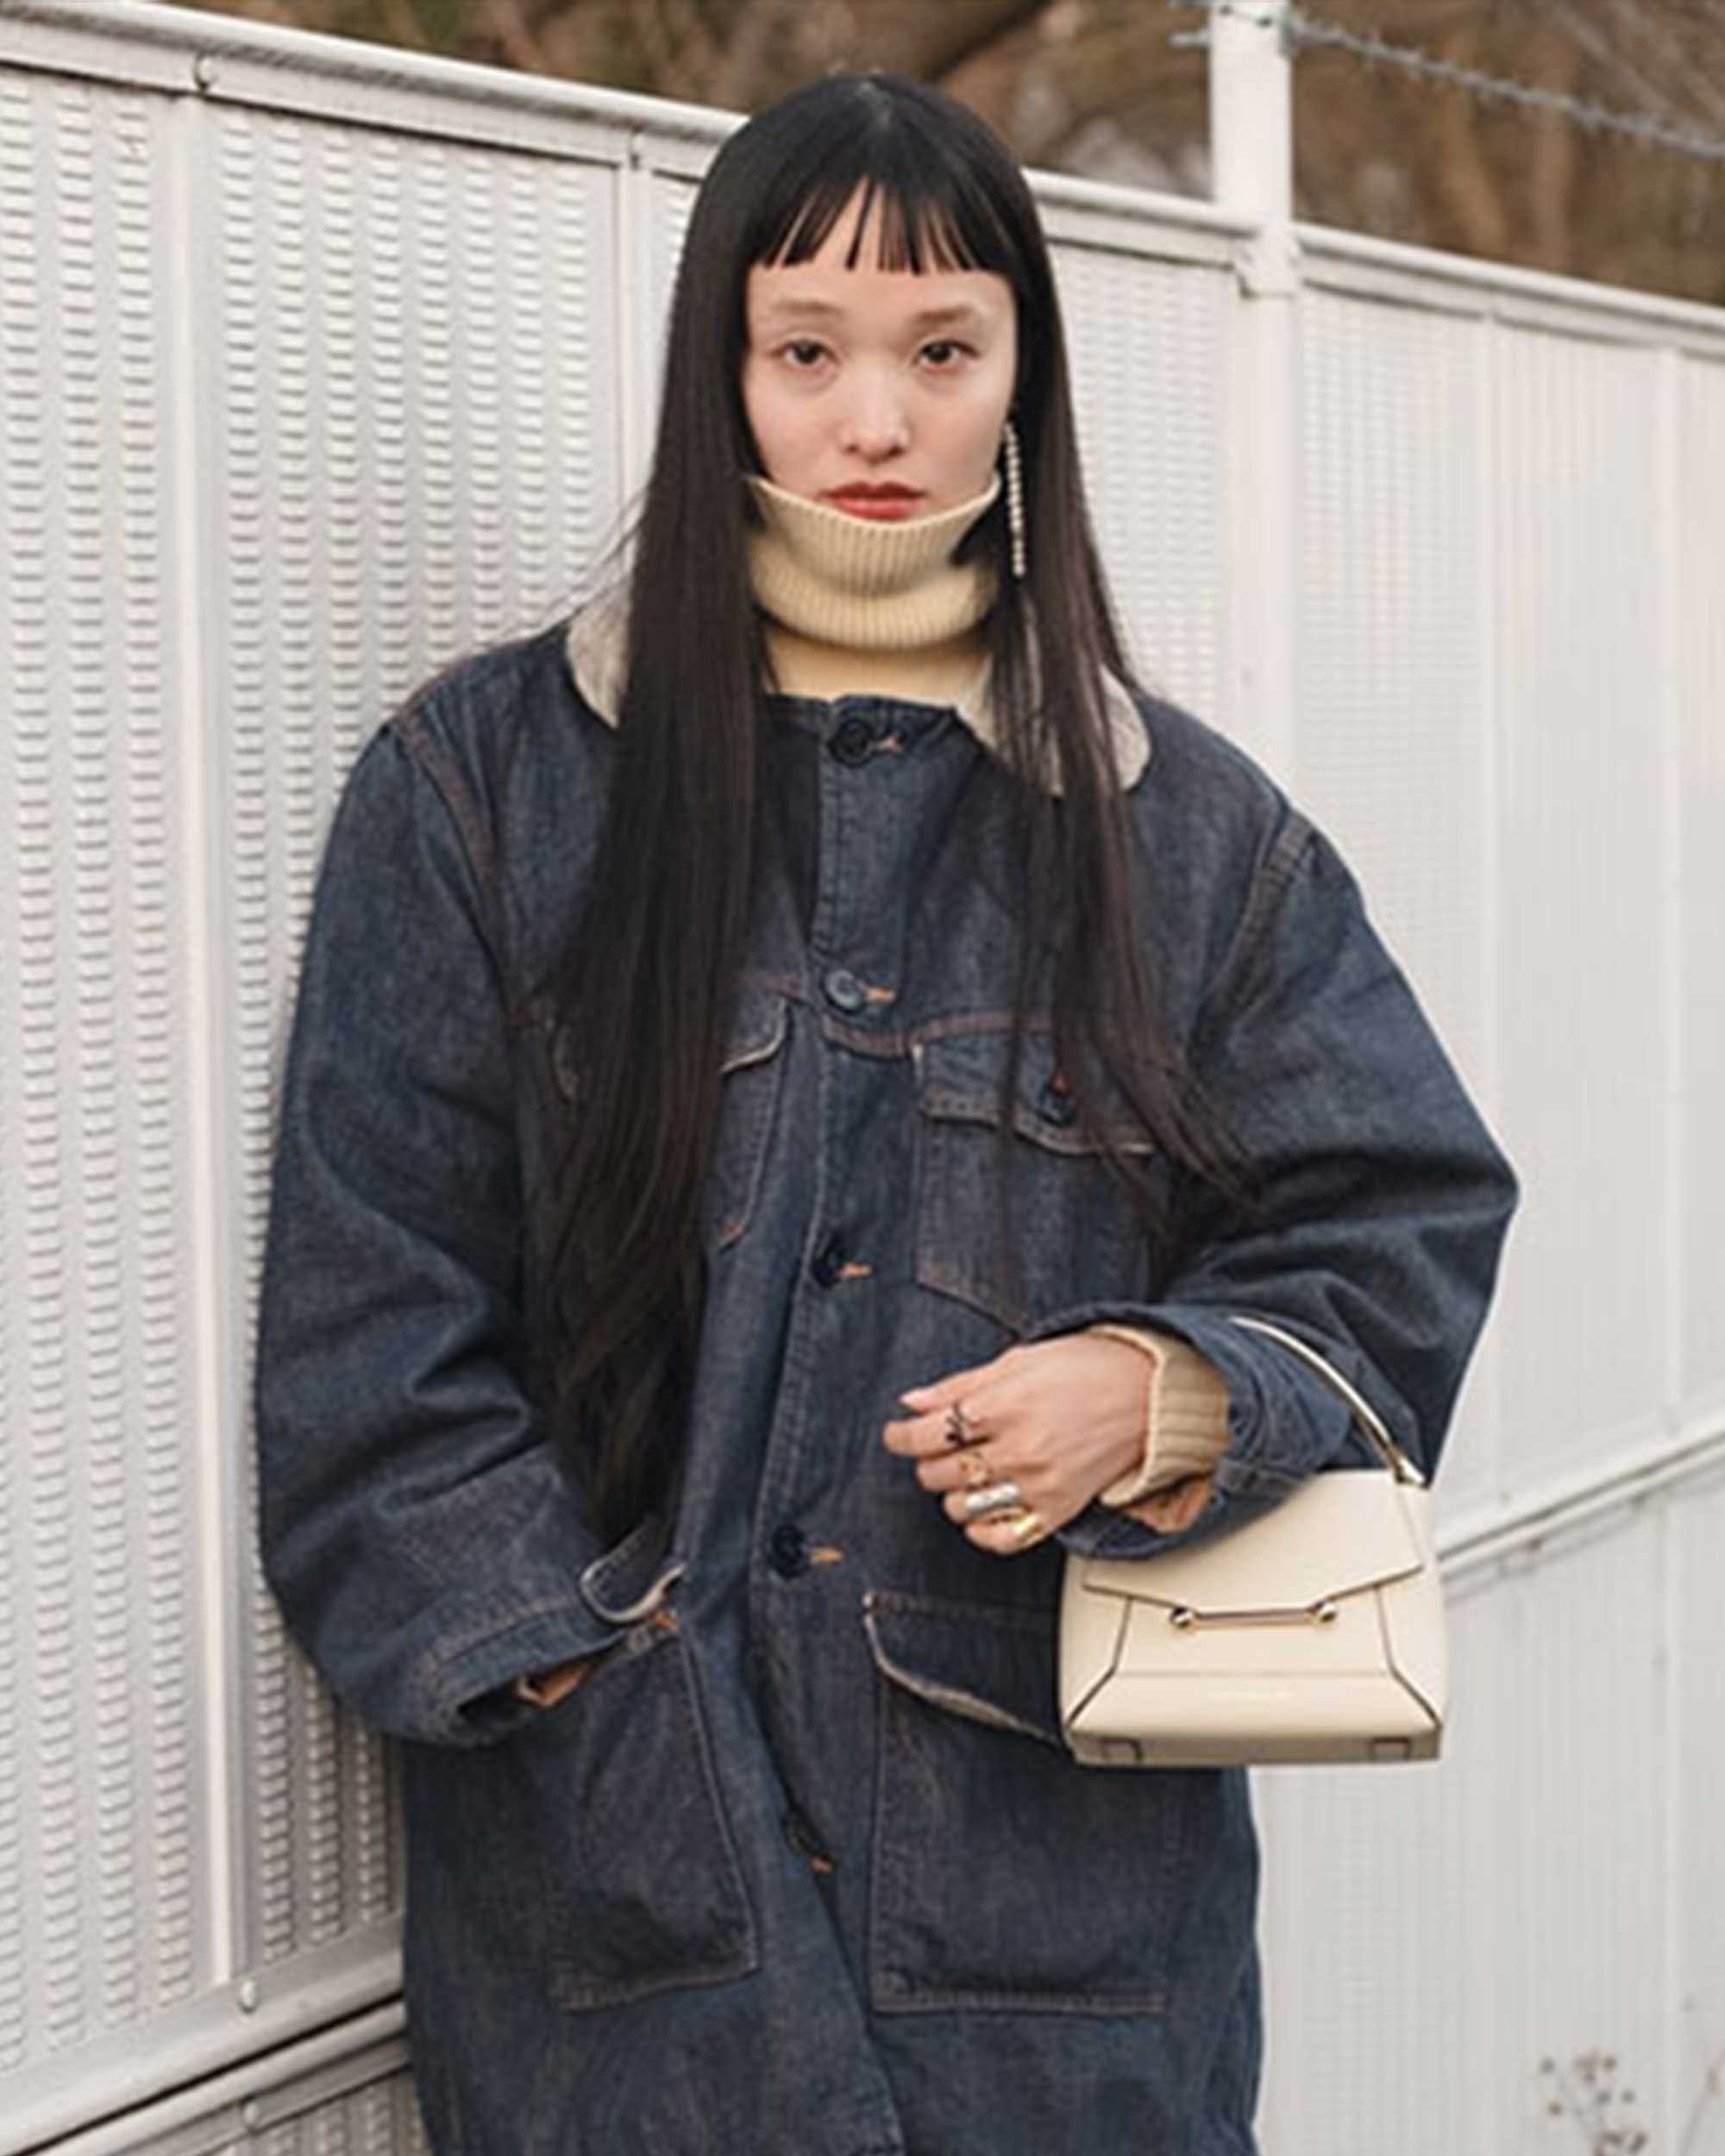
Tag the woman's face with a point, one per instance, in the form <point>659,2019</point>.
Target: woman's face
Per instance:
<point>882,393</point>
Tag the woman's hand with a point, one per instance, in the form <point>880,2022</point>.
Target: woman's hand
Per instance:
<point>1061,1418</point>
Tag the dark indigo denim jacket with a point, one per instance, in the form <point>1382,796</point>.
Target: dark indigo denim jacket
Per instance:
<point>802,1870</point>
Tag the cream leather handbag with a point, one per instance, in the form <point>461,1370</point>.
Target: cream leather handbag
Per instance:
<point>1313,1633</point>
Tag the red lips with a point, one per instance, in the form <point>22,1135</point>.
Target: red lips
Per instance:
<point>887,500</point>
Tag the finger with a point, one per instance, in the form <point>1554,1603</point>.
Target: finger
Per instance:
<point>968,1468</point>
<point>941,1392</point>
<point>942,1431</point>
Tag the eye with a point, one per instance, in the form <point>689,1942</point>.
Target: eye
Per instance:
<point>944,353</point>
<point>803,354</point>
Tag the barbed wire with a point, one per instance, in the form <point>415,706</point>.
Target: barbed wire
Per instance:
<point>1315,30</point>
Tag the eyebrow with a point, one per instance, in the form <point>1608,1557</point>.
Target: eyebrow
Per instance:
<point>963,313</point>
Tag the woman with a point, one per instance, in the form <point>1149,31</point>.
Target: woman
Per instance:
<point>794,1081</point>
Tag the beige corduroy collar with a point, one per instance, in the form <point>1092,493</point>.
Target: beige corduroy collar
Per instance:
<point>866,588</point>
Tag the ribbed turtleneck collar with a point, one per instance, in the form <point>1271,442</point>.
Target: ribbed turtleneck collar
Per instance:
<point>863,584</point>
<point>830,573</point>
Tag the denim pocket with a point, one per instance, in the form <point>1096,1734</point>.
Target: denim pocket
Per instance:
<point>1075,1235</point>
<point>591,1845</point>
<point>1006,1876</point>
<point>749,1093</point>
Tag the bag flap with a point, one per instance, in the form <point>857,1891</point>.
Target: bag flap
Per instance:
<point>1339,1533</point>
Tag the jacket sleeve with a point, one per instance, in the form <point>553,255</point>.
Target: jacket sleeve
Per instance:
<point>1376,1214</point>
<point>423,1544</point>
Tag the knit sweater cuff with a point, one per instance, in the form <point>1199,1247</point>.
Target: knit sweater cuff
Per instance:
<point>1186,1421</point>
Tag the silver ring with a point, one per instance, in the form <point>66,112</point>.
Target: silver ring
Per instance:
<point>978,1504</point>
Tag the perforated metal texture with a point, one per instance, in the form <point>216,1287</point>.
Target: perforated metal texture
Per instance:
<point>380,2120</point>
<point>1393,746</point>
<point>103,1907</point>
<point>1693,2029</point>
<point>1575,446</point>
<point>1391,755</point>
<point>414,449</point>
<point>1514,1900</point>
<point>1146,341</point>
<point>1700,864</point>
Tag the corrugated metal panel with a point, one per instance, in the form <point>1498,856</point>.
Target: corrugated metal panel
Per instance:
<point>1581,546</point>
<point>1435,1935</point>
<point>381,2120</point>
<point>1700,577</point>
<point>415,449</point>
<point>1146,343</point>
<point>103,1907</point>
<point>1695,2005</point>
<point>1393,743</point>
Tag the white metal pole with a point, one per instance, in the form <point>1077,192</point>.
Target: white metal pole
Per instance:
<point>1251,109</point>
<point>1251,148</point>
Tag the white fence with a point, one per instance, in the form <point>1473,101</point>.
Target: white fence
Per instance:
<point>317,366</point>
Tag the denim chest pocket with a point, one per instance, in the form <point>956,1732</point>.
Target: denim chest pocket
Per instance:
<point>1006,1877</point>
<point>748,1092</point>
<point>1075,1234</point>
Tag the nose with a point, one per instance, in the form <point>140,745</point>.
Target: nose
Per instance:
<point>874,426</point>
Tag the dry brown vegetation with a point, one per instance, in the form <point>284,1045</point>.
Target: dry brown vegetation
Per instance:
<point>1099,87</point>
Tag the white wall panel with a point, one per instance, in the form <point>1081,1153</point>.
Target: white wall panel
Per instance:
<point>1145,341</point>
<point>380,2120</point>
<point>1393,748</point>
<point>1701,861</point>
<point>104,1912</point>
<point>1695,2028</point>
<point>416,448</point>
<point>1576,448</point>
<point>1433,1933</point>
<point>1393,739</point>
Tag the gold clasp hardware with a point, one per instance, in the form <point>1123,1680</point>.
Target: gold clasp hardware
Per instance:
<point>1323,1612</point>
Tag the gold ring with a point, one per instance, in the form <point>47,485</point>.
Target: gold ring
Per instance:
<point>974,1469</point>
<point>1025,1527</point>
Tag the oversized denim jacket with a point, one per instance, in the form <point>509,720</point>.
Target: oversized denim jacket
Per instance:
<point>802,1869</point>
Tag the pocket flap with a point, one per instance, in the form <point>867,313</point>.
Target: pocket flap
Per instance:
<point>757,1030</point>
<point>983,1662</point>
<point>1341,1533</point>
<point>960,1077</point>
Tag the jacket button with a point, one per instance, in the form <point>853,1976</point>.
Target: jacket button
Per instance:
<point>828,1260</point>
<point>1055,1104</point>
<point>787,1552</point>
<point>802,1840</point>
<point>843,990</point>
<point>853,741</point>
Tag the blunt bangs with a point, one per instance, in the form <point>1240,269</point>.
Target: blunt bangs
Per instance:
<point>931,199</point>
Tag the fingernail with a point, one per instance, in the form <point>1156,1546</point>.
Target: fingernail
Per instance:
<point>921,1395</point>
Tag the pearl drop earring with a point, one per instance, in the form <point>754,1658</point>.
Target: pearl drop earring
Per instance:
<point>1015,503</point>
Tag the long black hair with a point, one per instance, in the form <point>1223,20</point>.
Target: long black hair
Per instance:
<point>645,985</point>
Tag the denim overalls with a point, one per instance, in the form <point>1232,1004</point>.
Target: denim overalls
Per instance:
<point>803,1870</point>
